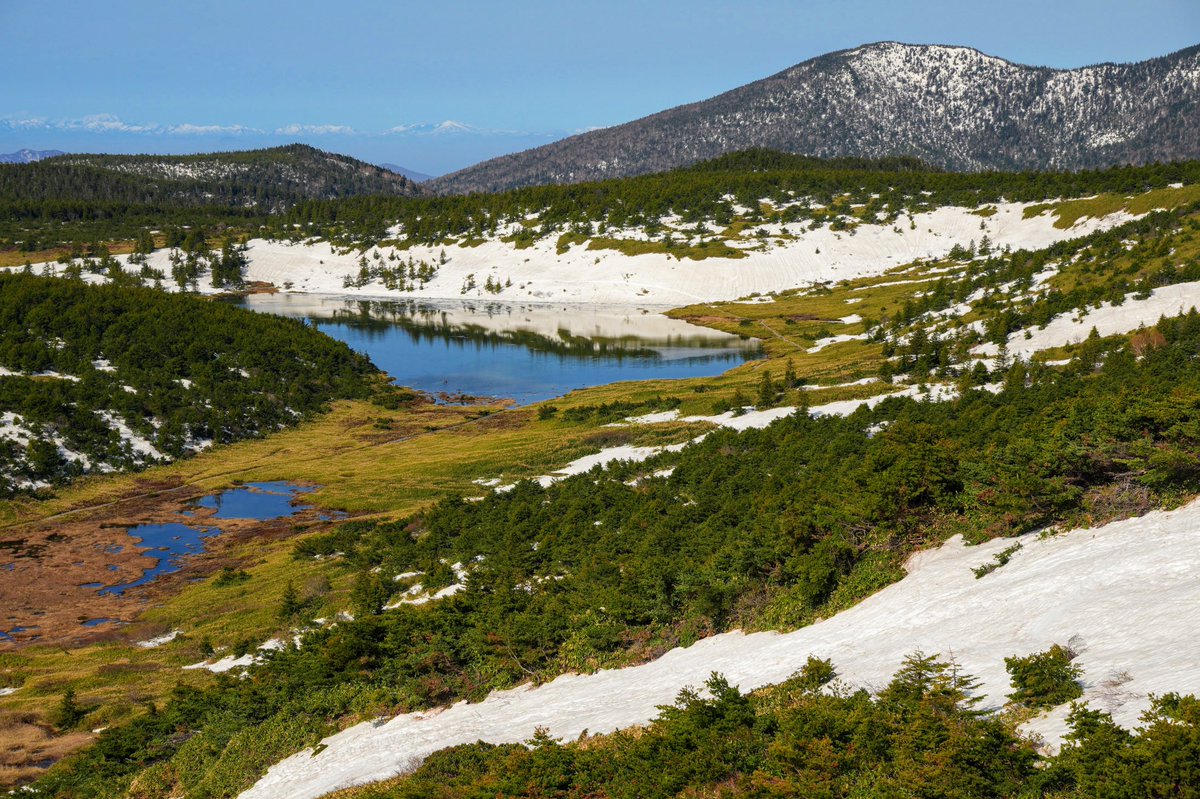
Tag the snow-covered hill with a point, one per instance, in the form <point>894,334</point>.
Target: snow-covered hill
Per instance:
<point>540,273</point>
<point>1123,595</point>
<point>27,156</point>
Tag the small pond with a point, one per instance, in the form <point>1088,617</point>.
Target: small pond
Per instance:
<point>260,501</point>
<point>173,541</point>
<point>169,543</point>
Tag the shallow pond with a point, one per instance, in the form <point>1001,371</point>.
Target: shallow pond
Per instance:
<point>171,542</point>
<point>260,501</point>
<point>526,352</point>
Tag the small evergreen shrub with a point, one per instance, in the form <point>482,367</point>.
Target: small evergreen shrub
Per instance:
<point>1044,679</point>
<point>230,576</point>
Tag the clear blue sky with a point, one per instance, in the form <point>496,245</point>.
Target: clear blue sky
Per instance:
<point>375,79</point>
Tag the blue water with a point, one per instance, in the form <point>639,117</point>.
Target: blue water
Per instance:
<point>504,349</point>
<point>7,635</point>
<point>98,622</point>
<point>260,501</point>
<point>170,543</point>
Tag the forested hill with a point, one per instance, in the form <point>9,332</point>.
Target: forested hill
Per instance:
<point>954,107</point>
<point>105,377</point>
<point>262,179</point>
<point>723,190</point>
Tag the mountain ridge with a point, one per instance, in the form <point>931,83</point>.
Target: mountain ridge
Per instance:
<point>28,156</point>
<point>954,107</point>
<point>269,178</point>
<point>411,174</point>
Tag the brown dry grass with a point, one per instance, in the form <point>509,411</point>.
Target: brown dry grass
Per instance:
<point>27,747</point>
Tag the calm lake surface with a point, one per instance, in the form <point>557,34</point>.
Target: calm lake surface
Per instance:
<point>526,352</point>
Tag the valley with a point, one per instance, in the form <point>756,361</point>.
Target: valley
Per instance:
<point>834,351</point>
<point>835,436</point>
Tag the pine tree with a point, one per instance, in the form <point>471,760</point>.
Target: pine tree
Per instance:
<point>69,712</point>
<point>290,603</point>
<point>766,391</point>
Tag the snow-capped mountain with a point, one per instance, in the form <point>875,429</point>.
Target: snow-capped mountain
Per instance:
<point>953,107</point>
<point>27,156</point>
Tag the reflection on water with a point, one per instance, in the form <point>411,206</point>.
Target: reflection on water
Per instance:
<point>170,543</point>
<point>527,352</point>
<point>261,501</point>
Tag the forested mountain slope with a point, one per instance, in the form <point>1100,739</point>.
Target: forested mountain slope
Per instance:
<point>263,179</point>
<point>954,107</point>
<point>102,378</point>
<point>751,222</point>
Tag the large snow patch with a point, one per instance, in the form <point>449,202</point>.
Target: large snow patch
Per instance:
<point>1125,594</point>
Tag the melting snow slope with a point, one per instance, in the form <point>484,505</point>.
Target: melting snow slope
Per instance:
<point>1108,320</point>
<point>540,273</point>
<point>1126,593</point>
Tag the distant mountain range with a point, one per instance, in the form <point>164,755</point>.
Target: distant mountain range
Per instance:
<point>28,156</point>
<point>266,179</point>
<point>953,107</point>
<point>411,174</point>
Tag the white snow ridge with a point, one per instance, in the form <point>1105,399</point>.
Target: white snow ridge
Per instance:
<point>1125,593</point>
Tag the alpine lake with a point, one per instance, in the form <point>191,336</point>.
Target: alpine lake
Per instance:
<point>526,352</point>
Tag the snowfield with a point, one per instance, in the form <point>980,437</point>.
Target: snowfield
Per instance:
<point>1124,595</point>
<point>538,273</point>
<point>1108,319</point>
<point>580,275</point>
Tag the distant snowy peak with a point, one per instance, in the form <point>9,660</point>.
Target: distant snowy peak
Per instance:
<point>951,106</point>
<point>28,156</point>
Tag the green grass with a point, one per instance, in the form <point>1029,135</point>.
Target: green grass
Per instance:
<point>1068,212</point>
<point>435,451</point>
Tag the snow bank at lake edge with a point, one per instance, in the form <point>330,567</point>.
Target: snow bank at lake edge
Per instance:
<point>540,273</point>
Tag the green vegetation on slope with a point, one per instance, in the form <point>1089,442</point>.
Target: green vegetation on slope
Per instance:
<point>762,528</point>
<point>268,179</point>
<point>747,556</point>
<point>838,193</point>
<point>81,201</point>
<point>920,737</point>
<point>176,370</point>
<point>297,193</point>
<point>1010,291</point>
<point>759,159</point>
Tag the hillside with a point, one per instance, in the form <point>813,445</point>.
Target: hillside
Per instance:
<point>953,107</point>
<point>938,607</point>
<point>102,379</point>
<point>641,526</point>
<point>750,223</point>
<point>260,179</point>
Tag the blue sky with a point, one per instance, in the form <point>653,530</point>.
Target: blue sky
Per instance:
<point>437,86</point>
